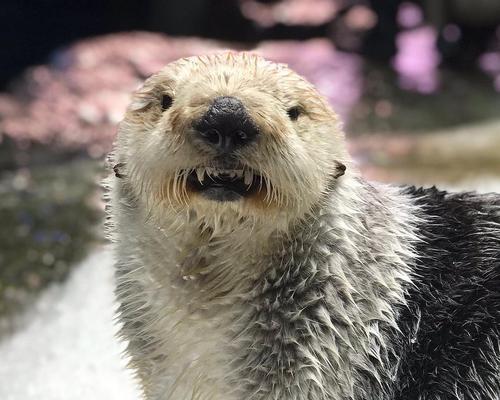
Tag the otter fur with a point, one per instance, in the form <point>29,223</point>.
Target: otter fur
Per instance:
<point>253,262</point>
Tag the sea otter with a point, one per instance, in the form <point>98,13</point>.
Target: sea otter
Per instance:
<point>253,262</point>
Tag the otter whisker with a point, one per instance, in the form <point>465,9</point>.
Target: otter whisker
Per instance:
<point>184,185</point>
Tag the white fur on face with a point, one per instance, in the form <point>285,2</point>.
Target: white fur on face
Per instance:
<point>296,159</point>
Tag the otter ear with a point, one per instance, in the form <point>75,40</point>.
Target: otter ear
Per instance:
<point>139,104</point>
<point>157,89</point>
<point>339,170</point>
<point>142,100</point>
<point>144,96</point>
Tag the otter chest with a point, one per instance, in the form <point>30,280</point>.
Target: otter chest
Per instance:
<point>195,345</point>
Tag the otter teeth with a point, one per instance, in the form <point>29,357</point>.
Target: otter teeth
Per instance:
<point>237,173</point>
<point>248,177</point>
<point>200,174</point>
<point>210,171</point>
<point>203,172</point>
<point>232,173</point>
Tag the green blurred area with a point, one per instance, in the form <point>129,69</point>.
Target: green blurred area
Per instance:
<point>49,217</point>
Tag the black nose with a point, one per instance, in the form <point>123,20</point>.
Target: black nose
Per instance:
<point>226,125</point>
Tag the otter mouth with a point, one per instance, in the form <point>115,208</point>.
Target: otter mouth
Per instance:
<point>224,184</point>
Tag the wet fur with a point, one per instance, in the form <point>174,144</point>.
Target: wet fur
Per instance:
<point>358,291</point>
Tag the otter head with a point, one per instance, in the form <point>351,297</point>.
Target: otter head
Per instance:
<point>230,135</point>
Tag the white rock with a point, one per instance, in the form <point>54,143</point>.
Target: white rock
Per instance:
<point>66,348</point>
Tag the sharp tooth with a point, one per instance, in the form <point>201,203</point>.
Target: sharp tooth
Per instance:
<point>248,177</point>
<point>200,173</point>
<point>212,173</point>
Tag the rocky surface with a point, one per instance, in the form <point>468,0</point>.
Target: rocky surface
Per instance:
<point>64,347</point>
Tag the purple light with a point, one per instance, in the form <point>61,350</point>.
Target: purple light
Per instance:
<point>409,15</point>
<point>451,33</point>
<point>490,62</point>
<point>417,60</point>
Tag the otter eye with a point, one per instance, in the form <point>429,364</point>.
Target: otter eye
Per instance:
<point>166,102</point>
<point>294,113</point>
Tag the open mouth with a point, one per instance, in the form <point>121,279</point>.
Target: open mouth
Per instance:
<point>224,184</point>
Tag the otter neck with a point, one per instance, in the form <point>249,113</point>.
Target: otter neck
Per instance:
<point>221,256</point>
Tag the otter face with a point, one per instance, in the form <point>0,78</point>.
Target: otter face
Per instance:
<point>230,133</point>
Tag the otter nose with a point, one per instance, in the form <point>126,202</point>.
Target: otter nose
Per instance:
<point>226,125</point>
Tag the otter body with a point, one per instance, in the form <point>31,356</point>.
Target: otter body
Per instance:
<point>253,262</point>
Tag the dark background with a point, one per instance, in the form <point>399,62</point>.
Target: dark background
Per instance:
<point>32,30</point>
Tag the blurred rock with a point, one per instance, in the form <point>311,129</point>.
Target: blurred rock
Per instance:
<point>72,105</point>
<point>76,101</point>
<point>291,12</point>
<point>463,154</point>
